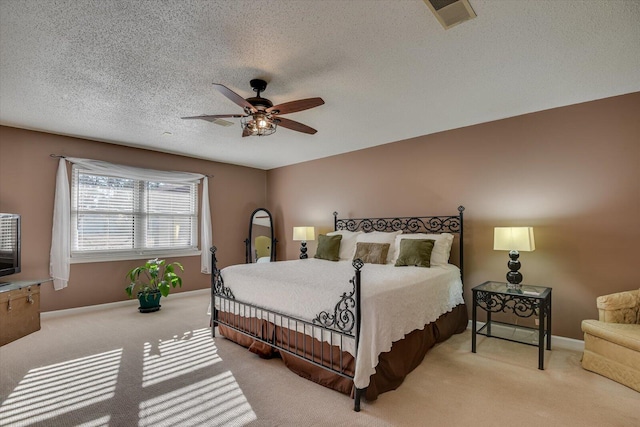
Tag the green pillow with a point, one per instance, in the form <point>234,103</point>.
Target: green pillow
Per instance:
<point>328,247</point>
<point>372,253</point>
<point>415,252</point>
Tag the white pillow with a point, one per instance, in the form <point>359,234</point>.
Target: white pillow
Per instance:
<point>382,237</point>
<point>347,244</point>
<point>441,248</point>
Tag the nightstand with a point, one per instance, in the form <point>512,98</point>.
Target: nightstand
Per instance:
<point>495,297</point>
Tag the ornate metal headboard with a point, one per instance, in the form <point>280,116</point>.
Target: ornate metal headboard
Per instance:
<point>423,224</point>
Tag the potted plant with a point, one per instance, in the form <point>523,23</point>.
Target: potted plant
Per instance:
<point>153,279</point>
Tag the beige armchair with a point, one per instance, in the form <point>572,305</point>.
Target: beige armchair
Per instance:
<point>612,344</point>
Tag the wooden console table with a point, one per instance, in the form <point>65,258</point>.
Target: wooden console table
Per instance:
<point>19,309</point>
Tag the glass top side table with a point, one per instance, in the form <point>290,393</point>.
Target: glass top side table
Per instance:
<point>529,301</point>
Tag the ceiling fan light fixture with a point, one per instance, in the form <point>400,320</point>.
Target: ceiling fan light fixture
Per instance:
<point>258,125</point>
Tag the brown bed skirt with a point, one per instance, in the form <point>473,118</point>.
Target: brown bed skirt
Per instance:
<point>393,366</point>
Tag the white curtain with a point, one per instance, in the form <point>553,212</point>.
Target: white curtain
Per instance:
<point>206,240</point>
<point>60,238</point>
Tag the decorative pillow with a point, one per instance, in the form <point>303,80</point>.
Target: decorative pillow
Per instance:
<point>347,244</point>
<point>372,253</point>
<point>381,237</point>
<point>415,252</point>
<point>441,249</point>
<point>328,247</point>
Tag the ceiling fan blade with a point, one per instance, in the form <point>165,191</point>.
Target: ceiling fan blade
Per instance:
<point>234,97</point>
<point>212,117</point>
<point>216,119</point>
<point>293,125</point>
<point>246,132</point>
<point>295,106</point>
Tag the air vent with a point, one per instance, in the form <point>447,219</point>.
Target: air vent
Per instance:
<point>451,12</point>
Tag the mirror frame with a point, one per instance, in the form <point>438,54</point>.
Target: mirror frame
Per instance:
<point>247,242</point>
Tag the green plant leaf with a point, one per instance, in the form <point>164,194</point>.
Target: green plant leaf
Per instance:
<point>129,289</point>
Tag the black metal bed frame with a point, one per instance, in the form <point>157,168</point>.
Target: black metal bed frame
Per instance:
<point>340,323</point>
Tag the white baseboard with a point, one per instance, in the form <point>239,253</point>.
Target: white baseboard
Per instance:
<point>90,308</point>
<point>556,341</point>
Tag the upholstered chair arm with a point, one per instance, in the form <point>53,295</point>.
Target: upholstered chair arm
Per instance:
<point>621,307</point>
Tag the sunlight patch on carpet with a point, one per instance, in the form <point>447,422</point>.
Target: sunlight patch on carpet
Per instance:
<point>217,401</point>
<point>178,356</point>
<point>57,389</point>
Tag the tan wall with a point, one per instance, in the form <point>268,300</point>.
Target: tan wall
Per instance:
<point>27,184</point>
<point>572,173</point>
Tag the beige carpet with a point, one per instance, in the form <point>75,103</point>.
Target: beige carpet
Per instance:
<point>112,366</point>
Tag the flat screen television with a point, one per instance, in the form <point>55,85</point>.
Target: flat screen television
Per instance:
<point>9,244</point>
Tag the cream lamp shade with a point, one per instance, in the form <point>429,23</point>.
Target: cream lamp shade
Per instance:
<point>513,239</point>
<point>304,234</point>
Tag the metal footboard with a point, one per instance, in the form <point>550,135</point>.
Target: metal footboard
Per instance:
<point>321,342</point>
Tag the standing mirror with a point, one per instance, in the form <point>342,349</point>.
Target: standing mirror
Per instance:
<point>260,245</point>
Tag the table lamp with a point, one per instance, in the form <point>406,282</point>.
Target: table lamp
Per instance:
<point>513,239</point>
<point>303,235</point>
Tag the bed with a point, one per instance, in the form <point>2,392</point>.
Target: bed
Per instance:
<point>351,320</point>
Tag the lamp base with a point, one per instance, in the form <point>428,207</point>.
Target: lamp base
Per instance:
<point>303,250</point>
<point>514,277</point>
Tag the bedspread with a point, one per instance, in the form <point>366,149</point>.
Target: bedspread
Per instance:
<point>394,300</point>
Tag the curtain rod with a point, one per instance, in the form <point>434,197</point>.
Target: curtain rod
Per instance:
<point>59,156</point>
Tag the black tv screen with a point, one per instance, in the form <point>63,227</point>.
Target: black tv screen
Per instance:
<point>9,244</point>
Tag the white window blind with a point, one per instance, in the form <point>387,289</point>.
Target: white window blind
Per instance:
<point>111,214</point>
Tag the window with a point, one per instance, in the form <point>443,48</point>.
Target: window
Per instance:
<point>118,218</point>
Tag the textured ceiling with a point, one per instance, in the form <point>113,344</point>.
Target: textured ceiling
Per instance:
<point>124,72</point>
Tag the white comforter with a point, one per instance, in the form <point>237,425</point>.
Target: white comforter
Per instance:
<point>395,300</point>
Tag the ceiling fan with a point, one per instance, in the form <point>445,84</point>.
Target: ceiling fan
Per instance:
<point>260,116</point>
